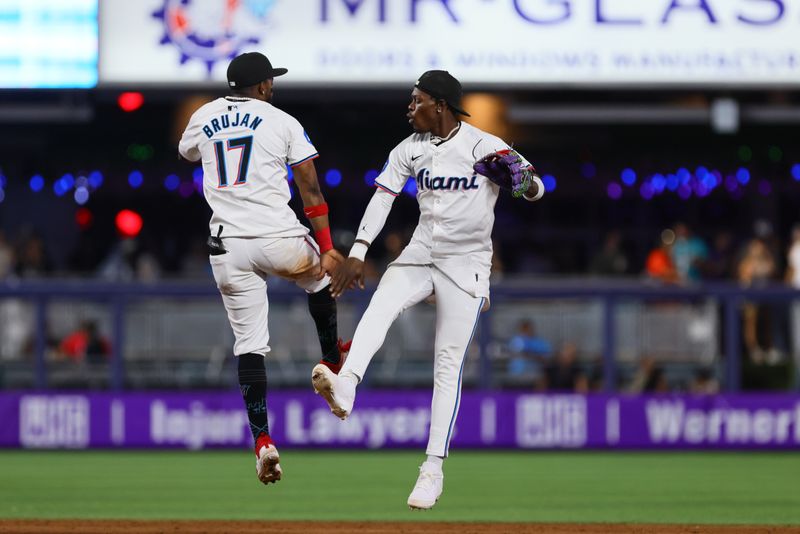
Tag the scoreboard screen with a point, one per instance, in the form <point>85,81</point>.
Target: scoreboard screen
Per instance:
<point>48,44</point>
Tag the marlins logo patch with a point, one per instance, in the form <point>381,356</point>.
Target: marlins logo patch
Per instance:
<point>213,30</point>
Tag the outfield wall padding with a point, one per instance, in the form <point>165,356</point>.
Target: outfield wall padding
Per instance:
<point>400,419</point>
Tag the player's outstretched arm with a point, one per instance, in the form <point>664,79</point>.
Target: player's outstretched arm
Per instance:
<point>316,209</point>
<point>351,273</point>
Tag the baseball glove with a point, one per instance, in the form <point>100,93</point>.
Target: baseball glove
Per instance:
<point>507,169</point>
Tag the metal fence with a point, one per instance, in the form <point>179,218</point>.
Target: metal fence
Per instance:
<point>177,336</point>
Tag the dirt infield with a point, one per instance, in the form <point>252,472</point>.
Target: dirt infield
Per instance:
<point>297,527</point>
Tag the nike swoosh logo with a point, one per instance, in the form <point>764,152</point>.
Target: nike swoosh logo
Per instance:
<point>415,158</point>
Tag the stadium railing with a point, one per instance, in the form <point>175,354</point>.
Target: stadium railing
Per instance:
<point>155,327</point>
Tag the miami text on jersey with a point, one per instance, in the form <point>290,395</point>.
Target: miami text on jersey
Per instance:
<point>447,183</point>
<point>225,121</point>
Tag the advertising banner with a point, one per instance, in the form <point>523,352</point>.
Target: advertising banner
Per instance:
<point>510,42</point>
<point>400,419</point>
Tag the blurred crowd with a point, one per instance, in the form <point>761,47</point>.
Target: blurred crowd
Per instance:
<point>532,362</point>
<point>26,257</point>
<point>679,256</point>
<point>770,332</point>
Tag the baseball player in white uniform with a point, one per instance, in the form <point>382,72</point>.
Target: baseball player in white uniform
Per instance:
<point>449,256</point>
<point>245,144</point>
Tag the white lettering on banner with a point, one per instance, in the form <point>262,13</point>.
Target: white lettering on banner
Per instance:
<point>295,431</point>
<point>670,422</point>
<point>738,426</point>
<point>197,426</point>
<point>612,421</point>
<point>664,421</point>
<point>54,421</point>
<point>372,426</point>
<point>117,422</point>
<point>551,421</point>
<point>488,421</point>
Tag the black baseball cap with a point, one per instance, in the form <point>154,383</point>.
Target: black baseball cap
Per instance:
<point>251,68</point>
<point>441,85</point>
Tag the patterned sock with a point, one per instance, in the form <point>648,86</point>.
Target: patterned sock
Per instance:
<point>253,385</point>
<point>322,307</point>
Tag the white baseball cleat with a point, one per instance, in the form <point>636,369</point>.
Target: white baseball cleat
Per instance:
<point>338,393</point>
<point>428,488</point>
<point>267,466</point>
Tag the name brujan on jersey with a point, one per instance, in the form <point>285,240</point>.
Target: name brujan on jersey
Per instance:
<point>448,183</point>
<point>226,121</point>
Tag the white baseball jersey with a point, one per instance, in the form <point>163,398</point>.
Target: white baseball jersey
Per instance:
<point>449,255</point>
<point>456,204</point>
<point>245,145</point>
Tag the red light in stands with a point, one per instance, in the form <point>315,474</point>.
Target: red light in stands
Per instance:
<point>129,223</point>
<point>84,218</point>
<point>130,101</point>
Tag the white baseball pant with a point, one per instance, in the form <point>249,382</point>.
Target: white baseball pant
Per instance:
<point>241,276</point>
<point>457,314</point>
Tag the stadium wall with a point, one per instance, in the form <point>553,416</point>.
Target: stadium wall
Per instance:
<point>400,419</point>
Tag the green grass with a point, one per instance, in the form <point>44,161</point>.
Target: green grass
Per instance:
<point>753,488</point>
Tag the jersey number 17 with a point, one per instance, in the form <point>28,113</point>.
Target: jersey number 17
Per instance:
<point>245,146</point>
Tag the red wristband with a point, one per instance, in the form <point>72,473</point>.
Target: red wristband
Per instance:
<point>316,211</point>
<point>324,241</point>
